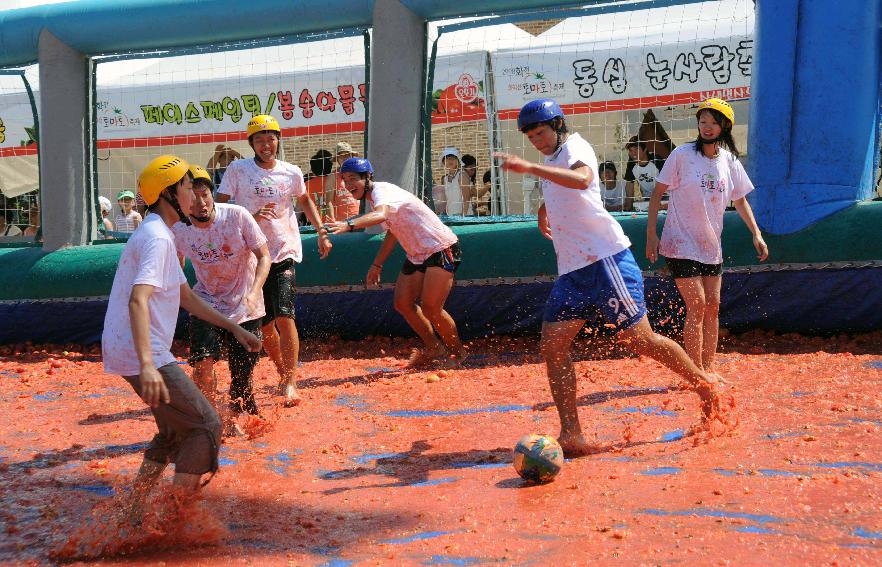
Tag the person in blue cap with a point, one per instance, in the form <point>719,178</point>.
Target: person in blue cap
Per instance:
<point>433,256</point>
<point>596,270</point>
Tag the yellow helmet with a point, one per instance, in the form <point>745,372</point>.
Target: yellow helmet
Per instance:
<point>198,172</point>
<point>160,173</point>
<point>720,106</point>
<point>263,123</point>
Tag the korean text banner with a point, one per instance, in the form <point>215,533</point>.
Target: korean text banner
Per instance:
<point>638,75</point>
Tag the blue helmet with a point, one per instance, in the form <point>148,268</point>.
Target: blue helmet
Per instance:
<point>537,111</point>
<point>356,165</point>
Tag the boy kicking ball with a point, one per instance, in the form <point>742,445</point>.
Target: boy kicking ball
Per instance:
<point>596,270</point>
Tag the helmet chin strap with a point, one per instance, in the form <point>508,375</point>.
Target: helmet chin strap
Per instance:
<point>173,201</point>
<point>367,189</point>
<point>708,141</point>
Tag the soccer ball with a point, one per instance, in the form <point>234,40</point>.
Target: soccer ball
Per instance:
<point>538,458</point>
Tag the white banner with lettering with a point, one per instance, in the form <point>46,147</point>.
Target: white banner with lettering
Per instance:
<point>572,76</point>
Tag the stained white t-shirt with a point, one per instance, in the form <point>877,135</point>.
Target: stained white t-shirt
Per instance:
<point>148,258</point>
<point>253,187</point>
<point>222,257</point>
<point>614,197</point>
<point>584,232</point>
<point>419,231</point>
<point>645,176</point>
<point>699,189</point>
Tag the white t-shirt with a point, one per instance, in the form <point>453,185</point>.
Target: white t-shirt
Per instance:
<point>126,223</point>
<point>615,197</point>
<point>453,195</point>
<point>223,259</point>
<point>419,230</point>
<point>11,230</point>
<point>584,232</point>
<point>148,258</point>
<point>645,175</point>
<point>253,187</point>
<point>700,188</point>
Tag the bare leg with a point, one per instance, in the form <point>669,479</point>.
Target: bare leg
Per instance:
<point>289,346</point>
<point>149,473</point>
<point>711,325</point>
<point>272,347</point>
<point>408,289</point>
<point>644,341</point>
<point>188,481</point>
<point>206,379</point>
<point>437,284</point>
<point>555,347</point>
<point>692,292</point>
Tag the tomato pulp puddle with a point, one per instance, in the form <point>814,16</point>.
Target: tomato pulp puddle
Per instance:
<point>381,466</point>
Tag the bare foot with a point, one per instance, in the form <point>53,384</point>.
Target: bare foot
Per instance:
<point>291,395</point>
<point>423,357</point>
<point>714,408</point>
<point>233,429</point>
<point>575,446</point>
<point>715,378</point>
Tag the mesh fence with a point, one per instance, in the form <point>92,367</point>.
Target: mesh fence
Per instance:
<point>197,105</point>
<point>19,158</point>
<point>621,72</point>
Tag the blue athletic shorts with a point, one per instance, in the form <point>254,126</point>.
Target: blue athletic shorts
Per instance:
<point>614,285</point>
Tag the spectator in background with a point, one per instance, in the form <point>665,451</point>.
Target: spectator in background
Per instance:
<point>33,220</point>
<point>105,226</point>
<point>456,186</point>
<point>482,196</point>
<point>343,205</point>
<point>321,165</point>
<point>128,219</point>
<point>612,190</point>
<point>217,165</point>
<point>641,177</point>
<point>6,226</point>
<point>470,176</point>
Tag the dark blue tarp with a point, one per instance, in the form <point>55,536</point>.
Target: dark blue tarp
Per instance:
<point>807,301</point>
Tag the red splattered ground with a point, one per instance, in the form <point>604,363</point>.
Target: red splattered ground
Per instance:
<point>382,467</point>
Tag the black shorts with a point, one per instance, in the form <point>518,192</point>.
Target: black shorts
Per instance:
<point>682,268</point>
<point>208,341</point>
<point>278,291</point>
<point>448,259</point>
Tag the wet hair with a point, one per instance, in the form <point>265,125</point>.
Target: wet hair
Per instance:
<point>725,138</point>
<point>487,176</point>
<point>635,142</point>
<point>607,165</point>
<point>322,163</point>
<point>202,183</point>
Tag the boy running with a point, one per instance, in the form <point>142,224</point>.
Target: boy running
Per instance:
<point>231,259</point>
<point>597,270</point>
<point>433,255</point>
<point>148,290</point>
<point>267,187</point>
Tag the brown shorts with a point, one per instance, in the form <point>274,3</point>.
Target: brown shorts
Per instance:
<point>189,427</point>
